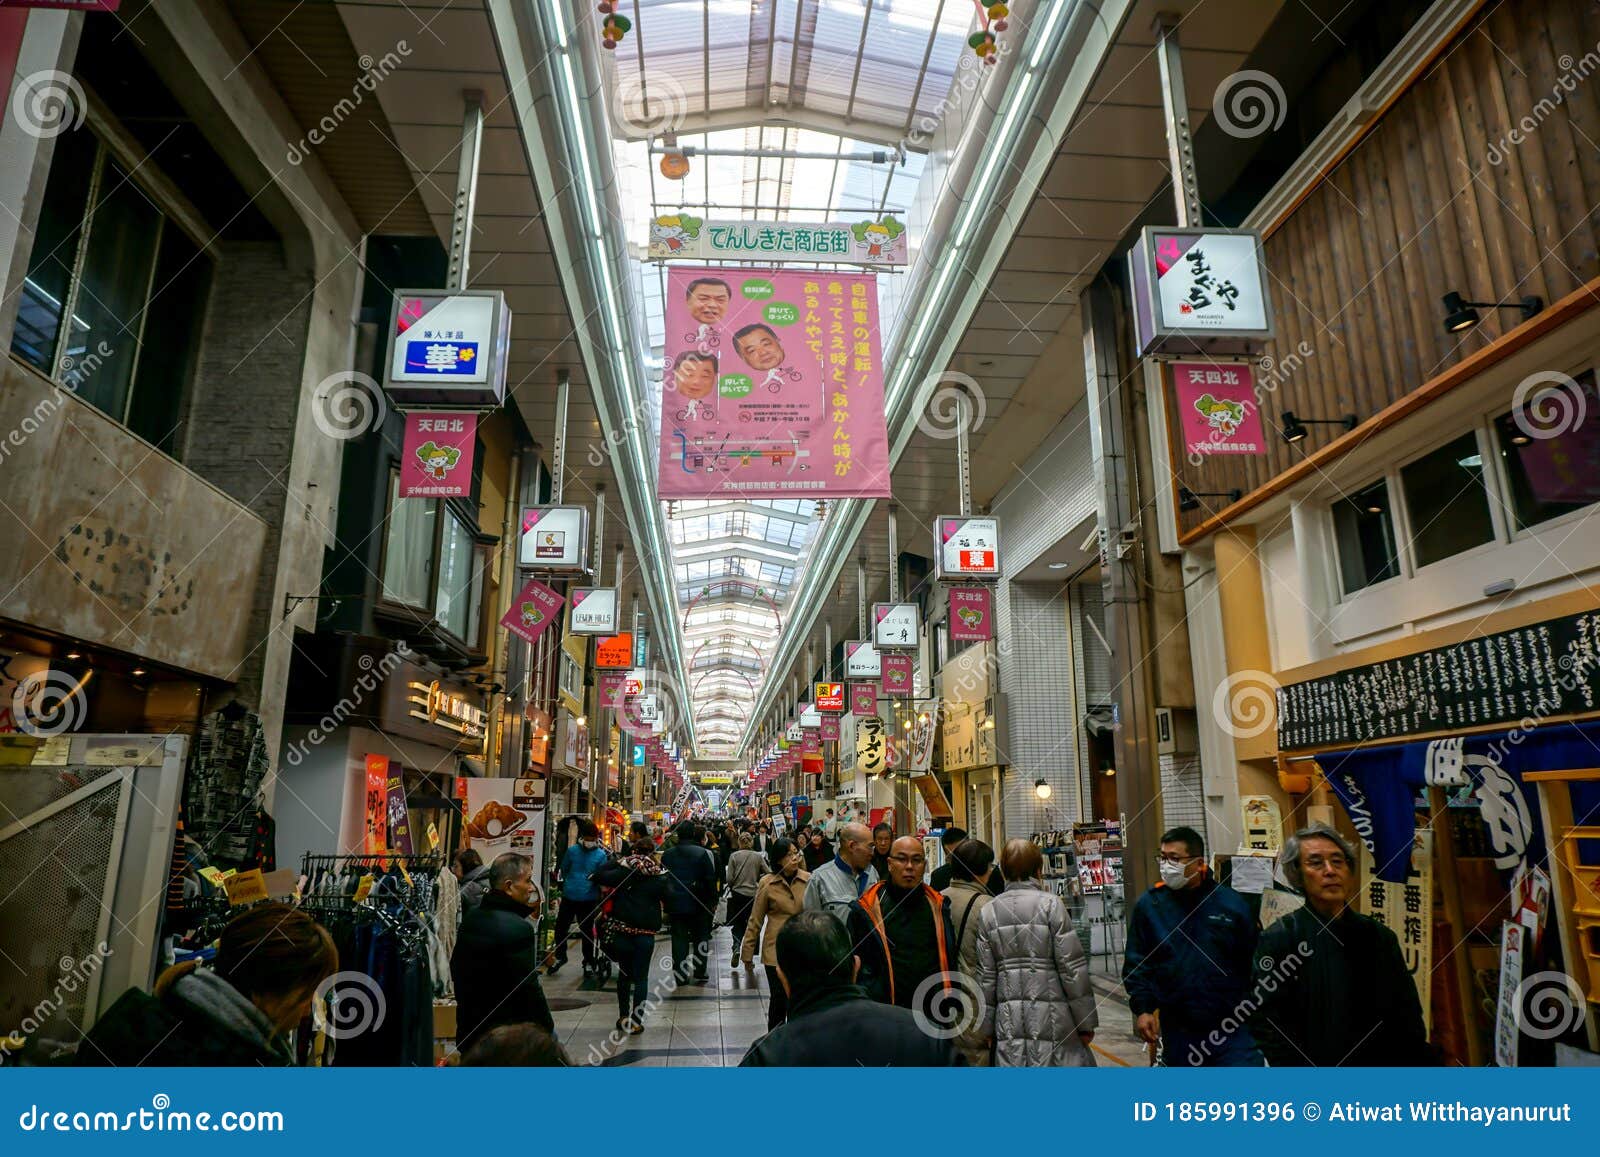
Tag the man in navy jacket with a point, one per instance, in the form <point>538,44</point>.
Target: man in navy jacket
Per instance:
<point>692,902</point>
<point>1189,961</point>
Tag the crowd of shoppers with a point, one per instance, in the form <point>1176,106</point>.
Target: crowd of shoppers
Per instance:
<point>869,959</point>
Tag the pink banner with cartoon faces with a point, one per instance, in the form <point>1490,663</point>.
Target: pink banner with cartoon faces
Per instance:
<point>773,386</point>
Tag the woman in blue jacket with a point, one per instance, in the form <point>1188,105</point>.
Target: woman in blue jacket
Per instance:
<point>580,897</point>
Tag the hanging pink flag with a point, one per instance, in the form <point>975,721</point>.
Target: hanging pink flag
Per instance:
<point>863,699</point>
<point>533,610</point>
<point>897,671</point>
<point>436,458</point>
<point>1217,406</point>
<point>971,614</point>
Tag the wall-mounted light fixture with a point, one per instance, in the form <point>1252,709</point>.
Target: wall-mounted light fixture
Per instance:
<point>1294,426</point>
<point>1461,315</point>
<point>1190,499</point>
<point>1042,789</point>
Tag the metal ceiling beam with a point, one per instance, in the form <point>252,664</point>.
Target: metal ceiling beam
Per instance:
<point>777,117</point>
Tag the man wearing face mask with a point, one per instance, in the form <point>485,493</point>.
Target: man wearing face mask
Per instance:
<point>1191,942</point>
<point>580,897</point>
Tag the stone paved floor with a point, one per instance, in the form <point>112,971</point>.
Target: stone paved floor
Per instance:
<point>714,1024</point>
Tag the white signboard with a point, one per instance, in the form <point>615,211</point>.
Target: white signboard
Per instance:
<point>895,626</point>
<point>554,538</point>
<point>594,610</point>
<point>793,734</point>
<point>866,241</point>
<point>810,717</point>
<point>967,548</point>
<point>862,661</point>
<point>447,348</point>
<point>1199,291</point>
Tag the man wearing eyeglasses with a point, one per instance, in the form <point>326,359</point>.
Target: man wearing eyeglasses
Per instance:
<point>1188,962</point>
<point>1332,984</point>
<point>902,932</point>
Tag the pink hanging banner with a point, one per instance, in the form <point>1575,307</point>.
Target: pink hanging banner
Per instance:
<point>611,687</point>
<point>863,699</point>
<point>971,614</point>
<point>436,459</point>
<point>532,612</point>
<point>830,728</point>
<point>773,385</point>
<point>1217,407</point>
<point>896,677</point>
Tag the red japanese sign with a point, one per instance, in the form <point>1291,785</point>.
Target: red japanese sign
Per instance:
<point>436,459</point>
<point>1217,407</point>
<point>829,696</point>
<point>532,611</point>
<point>971,614</point>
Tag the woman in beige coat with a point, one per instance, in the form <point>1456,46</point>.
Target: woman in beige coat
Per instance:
<point>780,896</point>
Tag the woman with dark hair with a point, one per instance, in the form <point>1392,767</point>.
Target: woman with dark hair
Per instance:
<point>524,1046</point>
<point>781,895</point>
<point>270,962</point>
<point>580,897</point>
<point>819,849</point>
<point>640,888</point>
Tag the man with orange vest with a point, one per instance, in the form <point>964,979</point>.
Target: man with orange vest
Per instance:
<point>902,931</point>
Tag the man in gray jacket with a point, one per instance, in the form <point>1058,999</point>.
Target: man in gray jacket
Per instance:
<point>840,882</point>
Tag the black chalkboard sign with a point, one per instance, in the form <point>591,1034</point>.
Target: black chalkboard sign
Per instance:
<point>1519,676</point>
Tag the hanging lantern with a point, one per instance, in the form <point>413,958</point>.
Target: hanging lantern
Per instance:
<point>674,166</point>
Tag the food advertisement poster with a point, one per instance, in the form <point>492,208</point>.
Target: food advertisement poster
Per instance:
<point>773,385</point>
<point>506,815</point>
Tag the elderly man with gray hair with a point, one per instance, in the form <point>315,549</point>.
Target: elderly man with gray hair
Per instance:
<point>840,882</point>
<point>496,961</point>
<point>1331,986</point>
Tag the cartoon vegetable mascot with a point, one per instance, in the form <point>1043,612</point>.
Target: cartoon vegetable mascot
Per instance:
<point>875,237</point>
<point>438,461</point>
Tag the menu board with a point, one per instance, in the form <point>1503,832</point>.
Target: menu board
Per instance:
<point>1545,669</point>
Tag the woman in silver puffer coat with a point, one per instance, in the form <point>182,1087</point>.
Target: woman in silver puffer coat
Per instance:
<point>1032,970</point>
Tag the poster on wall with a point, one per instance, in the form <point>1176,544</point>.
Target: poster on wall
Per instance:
<point>399,819</point>
<point>376,811</point>
<point>1217,408</point>
<point>496,824</point>
<point>773,386</point>
<point>436,457</point>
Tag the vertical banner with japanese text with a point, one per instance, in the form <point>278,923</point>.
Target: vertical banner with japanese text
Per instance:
<point>773,385</point>
<point>436,459</point>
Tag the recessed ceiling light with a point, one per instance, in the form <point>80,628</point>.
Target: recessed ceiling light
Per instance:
<point>74,654</point>
<point>138,671</point>
<point>1060,565</point>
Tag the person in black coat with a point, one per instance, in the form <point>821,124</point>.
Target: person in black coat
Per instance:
<point>640,889</point>
<point>1333,986</point>
<point>832,1021</point>
<point>270,962</point>
<point>693,902</point>
<point>496,962</point>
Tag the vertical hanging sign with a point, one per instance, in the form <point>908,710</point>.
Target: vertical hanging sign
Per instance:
<point>863,699</point>
<point>532,611</point>
<point>377,809</point>
<point>897,674</point>
<point>971,614</point>
<point>436,459</point>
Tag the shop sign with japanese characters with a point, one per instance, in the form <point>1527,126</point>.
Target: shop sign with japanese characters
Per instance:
<point>829,696</point>
<point>683,236</point>
<point>1199,291</point>
<point>895,626</point>
<point>861,661</point>
<point>971,614</point>
<point>555,539</point>
<point>967,548</point>
<point>897,675</point>
<point>1217,408</point>
<point>436,455</point>
<point>863,699</point>
<point>448,349</point>
<point>532,612</point>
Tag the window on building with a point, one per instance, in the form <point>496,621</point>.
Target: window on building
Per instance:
<point>1446,502</point>
<point>1550,449</point>
<point>460,596</point>
<point>1364,529</point>
<point>114,299</point>
<point>408,548</point>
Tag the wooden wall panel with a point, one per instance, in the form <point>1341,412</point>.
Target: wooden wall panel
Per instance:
<point>1436,197</point>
